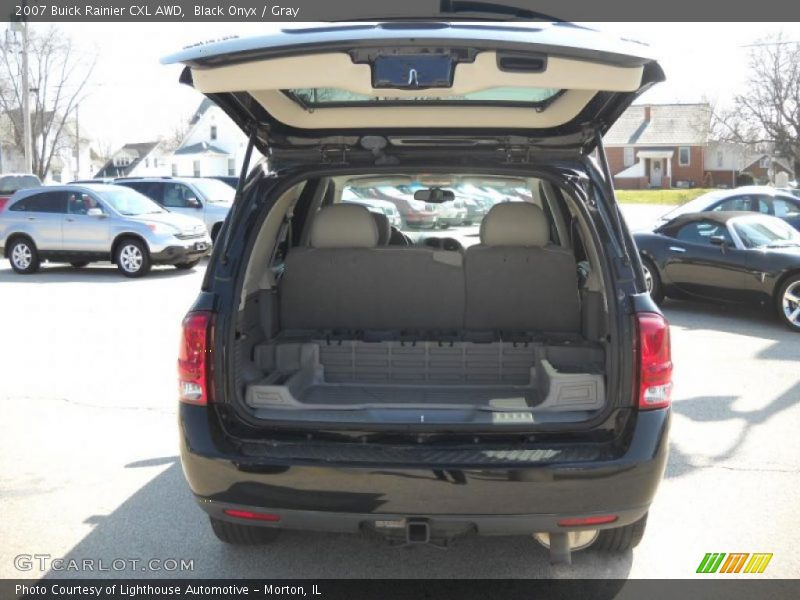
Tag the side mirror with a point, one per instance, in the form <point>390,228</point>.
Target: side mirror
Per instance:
<point>193,203</point>
<point>719,240</point>
<point>95,212</point>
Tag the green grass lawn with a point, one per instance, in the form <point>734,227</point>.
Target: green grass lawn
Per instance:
<point>659,196</point>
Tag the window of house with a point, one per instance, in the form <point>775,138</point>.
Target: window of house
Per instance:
<point>213,134</point>
<point>720,160</point>
<point>764,162</point>
<point>231,166</point>
<point>196,168</point>
<point>627,156</point>
<point>174,170</point>
<point>684,156</point>
<point>147,163</point>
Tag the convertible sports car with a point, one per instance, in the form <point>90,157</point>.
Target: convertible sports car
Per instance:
<point>737,257</point>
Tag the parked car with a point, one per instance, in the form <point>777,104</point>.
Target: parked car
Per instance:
<point>734,257</point>
<point>231,180</point>
<point>12,182</point>
<point>414,214</point>
<point>206,199</point>
<point>474,210</point>
<point>451,213</point>
<point>332,384</point>
<point>756,198</point>
<point>79,224</point>
<point>379,206</point>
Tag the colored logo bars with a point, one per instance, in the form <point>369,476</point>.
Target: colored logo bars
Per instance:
<point>719,562</point>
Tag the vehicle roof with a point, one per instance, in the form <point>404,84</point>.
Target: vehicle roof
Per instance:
<point>564,36</point>
<point>718,216</point>
<point>67,187</point>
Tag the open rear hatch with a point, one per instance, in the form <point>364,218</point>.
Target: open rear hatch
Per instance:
<point>556,84</point>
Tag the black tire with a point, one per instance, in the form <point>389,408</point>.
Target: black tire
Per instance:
<point>79,264</point>
<point>657,290</point>
<point>215,231</point>
<point>23,256</point>
<point>788,307</point>
<point>242,535</point>
<point>132,258</point>
<point>187,265</point>
<point>621,539</point>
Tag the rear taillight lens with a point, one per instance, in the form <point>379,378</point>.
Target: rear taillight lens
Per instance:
<point>194,358</point>
<point>3,202</point>
<point>655,361</point>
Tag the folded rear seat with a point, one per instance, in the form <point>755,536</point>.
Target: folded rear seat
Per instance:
<point>517,281</point>
<point>344,281</point>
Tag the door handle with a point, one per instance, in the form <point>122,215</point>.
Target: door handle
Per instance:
<point>677,249</point>
<point>31,218</point>
<point>70,220</point>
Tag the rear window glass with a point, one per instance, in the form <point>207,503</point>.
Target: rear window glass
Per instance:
<point>330,97</point>
<point>12,183</point>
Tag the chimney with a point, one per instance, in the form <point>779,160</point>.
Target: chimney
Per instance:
<point>647,113</point>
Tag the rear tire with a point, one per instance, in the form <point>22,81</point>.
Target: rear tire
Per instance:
<point>132,258</point>
<point>79,264</point>
<point>187,265</point>
<point>653,281</point>
<point>23,256</point>
<point>788,303</point>
<point>621,539</point>
<point>242,535</point>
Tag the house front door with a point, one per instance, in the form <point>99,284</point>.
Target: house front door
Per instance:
<point>655,172</point>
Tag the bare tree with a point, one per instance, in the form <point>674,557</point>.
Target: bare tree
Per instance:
<point>59,75</point>
<point>180,129</point>
<point>768,112</point>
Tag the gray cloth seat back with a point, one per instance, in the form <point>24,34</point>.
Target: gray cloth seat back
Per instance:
<point>344,281</point>
<point>383,226</point>
<point>516,280</point>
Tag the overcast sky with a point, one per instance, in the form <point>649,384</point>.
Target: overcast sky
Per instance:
<point>133,98</point>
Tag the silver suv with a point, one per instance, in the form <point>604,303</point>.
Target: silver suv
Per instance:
<point>202,197</point>
<point>79,224</point>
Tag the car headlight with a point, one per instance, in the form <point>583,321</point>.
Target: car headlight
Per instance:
<point>162,228</point>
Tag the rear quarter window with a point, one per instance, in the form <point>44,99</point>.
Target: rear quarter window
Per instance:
<point>47,202</point>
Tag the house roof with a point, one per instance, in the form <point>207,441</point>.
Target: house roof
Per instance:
<point>669,125</point>
<point>138,150</point>
<point>200,148</point>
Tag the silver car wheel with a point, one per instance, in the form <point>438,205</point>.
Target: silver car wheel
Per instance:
<point>648,279</point>
<point>21,256</point>
<point>791,303</point>
<point>131,258</point>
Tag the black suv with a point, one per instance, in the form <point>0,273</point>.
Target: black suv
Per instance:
<point>337,374</point>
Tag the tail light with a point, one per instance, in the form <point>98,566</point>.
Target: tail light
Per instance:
<point>194,358</point>
<point>3,202</point>
<point>655,362</point>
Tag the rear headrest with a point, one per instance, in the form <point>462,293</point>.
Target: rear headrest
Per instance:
<point>515,224</point>
<point>344,226</point>
<point>384,228</point>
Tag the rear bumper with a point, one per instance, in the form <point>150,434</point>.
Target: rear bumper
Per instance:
<point>503,496</point>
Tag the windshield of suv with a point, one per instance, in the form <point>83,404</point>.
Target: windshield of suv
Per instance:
<point>130,203</point>
<point>214,190</point>
<point>766,233</point>
<point>452,224</point>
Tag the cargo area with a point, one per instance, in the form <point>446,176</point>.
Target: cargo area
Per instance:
<point>503,325</point>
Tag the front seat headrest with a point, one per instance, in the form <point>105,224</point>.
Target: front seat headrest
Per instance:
<point>344,226</point>
<point>384,228</point>
<point>515,224</point>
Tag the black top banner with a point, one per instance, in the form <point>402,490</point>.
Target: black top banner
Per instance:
<point>347,10</point>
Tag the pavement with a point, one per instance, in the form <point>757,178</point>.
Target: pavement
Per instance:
<point>89,466</point>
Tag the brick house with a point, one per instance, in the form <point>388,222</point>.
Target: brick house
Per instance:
<point>659,146</point>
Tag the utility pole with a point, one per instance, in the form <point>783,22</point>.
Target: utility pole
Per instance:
<point>77,142</point>
<point>22,28</point>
